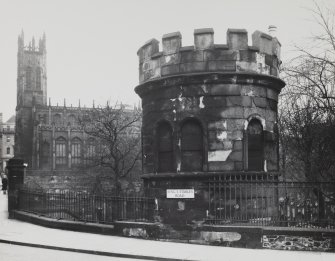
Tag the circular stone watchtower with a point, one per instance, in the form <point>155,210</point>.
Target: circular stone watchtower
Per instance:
<point>209,110</point>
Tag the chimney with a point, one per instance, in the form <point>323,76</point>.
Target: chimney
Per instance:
<point>272,29</point>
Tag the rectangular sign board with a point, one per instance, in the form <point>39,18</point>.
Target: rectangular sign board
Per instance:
<point>180,193</point>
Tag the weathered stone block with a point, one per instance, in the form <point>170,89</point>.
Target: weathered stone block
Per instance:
<point>171,43</point>
<point>227,145</point>
<point>237,39</point>
<point>217,145</point>
<point>271,126</point>
<point>203,38</point>
<point>192,67</point>
<point>276,46</point>
<point>194,90</point>
<point>189,103</point>
<point>273,105</point>
<point>150,69</point>
<point>271,115</point>
<point>191,56</point>
<point>262,41</point>
<point>235,124</point>
<point>238,145</point>
<point>242,66</point>
<point>170,69</point>
<point>232,112</point>
<point>235,156</point>
<point>269,136</point>
<point>221,166</point>
<point>225,89</point>
<point>170,59</point>
<point>228,66</point>
<point>254,110</point>
<point>211,113</point>
<point>239,165</point>
<point>269,60</point>
<point>274,71</point>
<point>243,101</point>
<point>164,105</point>
<point>260,102</point>
<point>255,91</point>
<point>148,49</point>
<point>217,125</point>
<point>217,136</point>
<point>215,101</point>
<point>236,135</point>
<point>248,55</point>
<point>222,55</point>
<point>272,94</point>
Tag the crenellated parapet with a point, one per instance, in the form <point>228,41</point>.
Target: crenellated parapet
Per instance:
<point>262,57</point>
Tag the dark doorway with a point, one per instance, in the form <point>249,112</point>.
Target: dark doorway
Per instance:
<point>191,146</point>
<point>165,147</point>
<point>255,146</point>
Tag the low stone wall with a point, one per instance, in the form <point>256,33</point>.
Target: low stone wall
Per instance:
<point>232,236</point>
<point>318,243</point>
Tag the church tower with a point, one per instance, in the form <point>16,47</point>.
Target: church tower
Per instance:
<point>31,92</point>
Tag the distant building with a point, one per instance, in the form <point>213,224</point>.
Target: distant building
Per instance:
<point>7,141</point>
<point>48,138</point>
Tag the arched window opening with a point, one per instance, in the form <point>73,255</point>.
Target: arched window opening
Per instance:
<point>61,153</point>
<point>76,152</point>
<point>38,78</point>
<point>57,119</point>
<point>72,119</point>
<point>45,154</point>
<point>90,151</point>
<point>255,145</point>
<point>191,146</point>
<point>165,147</point>
<point>29,77</point>
<point>8,150</point>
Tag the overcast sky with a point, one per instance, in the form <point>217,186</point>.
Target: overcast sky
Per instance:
<point>92,44</point>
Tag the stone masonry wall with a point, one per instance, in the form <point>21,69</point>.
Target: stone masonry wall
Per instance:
<point>221,86</point>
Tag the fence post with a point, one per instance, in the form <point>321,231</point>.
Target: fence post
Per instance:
<point>15,169</point>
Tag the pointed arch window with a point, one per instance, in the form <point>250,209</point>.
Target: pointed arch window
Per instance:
<point>255,147</point>
<point>29,77</point>
<point>61,152</point>
<point>90,151</point>
<point>8,150</point>
<point>38,78</point>
<point>72,119</point>
<point>57,119</point>
<point>45,154</point>
<point>191,146</point>
<point>165,147</point>
<point>76,147</point>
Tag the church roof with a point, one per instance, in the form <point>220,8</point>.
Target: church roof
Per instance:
<point>11,119</point>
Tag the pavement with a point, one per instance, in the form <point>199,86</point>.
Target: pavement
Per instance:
<point>14,232</point>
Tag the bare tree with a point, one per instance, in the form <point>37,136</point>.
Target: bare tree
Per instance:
<point>307,107</point>
<point>312,72</point>
<point>116,130</point>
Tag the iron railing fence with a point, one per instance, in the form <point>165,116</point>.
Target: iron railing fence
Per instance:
<point>265,201</point>
<point>86,207</point>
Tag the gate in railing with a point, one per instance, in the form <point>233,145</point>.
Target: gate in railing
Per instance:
<point>265,201</point>
<point>86,207</point>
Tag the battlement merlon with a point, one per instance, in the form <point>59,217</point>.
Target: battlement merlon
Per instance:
<point>262,57</point>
